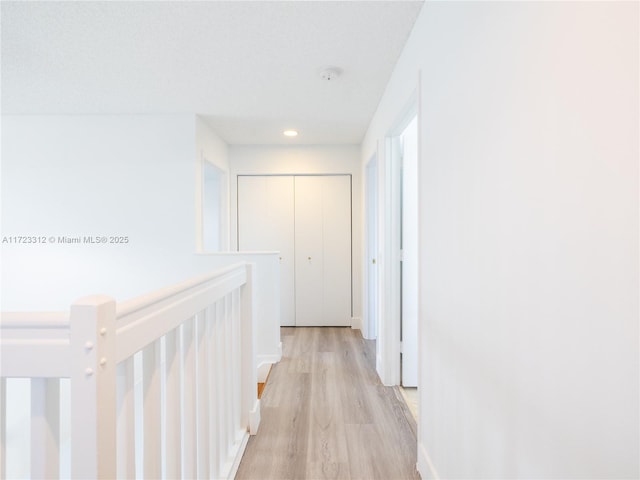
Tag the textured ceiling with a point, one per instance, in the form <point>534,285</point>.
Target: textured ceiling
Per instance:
<point>250,68</point>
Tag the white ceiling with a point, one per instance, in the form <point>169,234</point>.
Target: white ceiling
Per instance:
<point>250,69</point>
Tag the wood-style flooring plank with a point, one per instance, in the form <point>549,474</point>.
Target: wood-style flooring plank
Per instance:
<point>327,454</point>
<point>325,414</point>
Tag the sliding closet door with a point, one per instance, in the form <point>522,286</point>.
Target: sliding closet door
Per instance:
<point>265,222</point>
<point>337,249</point>
<point>323,250</point>
<point>309,255</point>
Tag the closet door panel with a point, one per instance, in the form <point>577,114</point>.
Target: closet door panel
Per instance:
<point>308,220</point>
<point>309,251</point>
<point>265,223</point>
<point>336,220</point>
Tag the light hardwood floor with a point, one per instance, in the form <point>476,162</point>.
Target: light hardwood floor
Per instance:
<point>325,414</point>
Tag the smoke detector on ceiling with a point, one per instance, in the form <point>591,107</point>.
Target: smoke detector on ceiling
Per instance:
<point>330,74</point>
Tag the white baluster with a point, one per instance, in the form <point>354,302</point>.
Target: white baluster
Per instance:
<point>203,397</point>
<point>126,420</point>
<point>250,413</point>
<point>151,415</point>
<point>214,392</point>
<point>173,405</point>
<point>236,378</point>
<point>189,408</point>
<point>222,380</point>
<point>45,428</point>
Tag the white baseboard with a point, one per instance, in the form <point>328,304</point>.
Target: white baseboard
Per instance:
<point>265,361</point>
<point>254,418</point>
<point>263,371</point>
<point>238,458</point>
<point>270,358</point>
<point>356,323</point>
<point>425,466</point>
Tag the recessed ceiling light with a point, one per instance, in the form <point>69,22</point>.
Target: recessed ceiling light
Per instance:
<point>290,133</point>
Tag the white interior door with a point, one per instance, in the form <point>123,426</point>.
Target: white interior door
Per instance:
<point>266,222</point>
<point>309,254</point>
<point>336,234</point>
<point>409,139</point>
<point>323,250</point>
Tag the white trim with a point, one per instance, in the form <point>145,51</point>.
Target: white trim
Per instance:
<point>407,114</point>
<point>269,358</point>
<point>356,323</point>
<point>389,273</point>
<point>389,225</point>
<point>263,371</point>
<point>266,361</point>
<point>238,458</point>
<point>379,365</point>
<point>254,418</point>
<point>198,198</point>
<point>425,466</point>
<point>371,252</point>
<point>223,227</point>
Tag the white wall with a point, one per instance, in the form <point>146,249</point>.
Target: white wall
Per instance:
<point>130,176</point>
<point>529,236</point>
<point>306,160</point>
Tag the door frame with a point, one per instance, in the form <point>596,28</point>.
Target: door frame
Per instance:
<point>371,306</point>
<point>388,345</point>
<point>205,169</point>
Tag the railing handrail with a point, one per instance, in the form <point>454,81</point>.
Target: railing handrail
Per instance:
<point>46,327</point>
<point>58,319</point>
<point>149,317</point>
<point>143,301</point>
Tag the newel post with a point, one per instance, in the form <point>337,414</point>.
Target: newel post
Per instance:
<point>93,388</point>
<point>250,402</point>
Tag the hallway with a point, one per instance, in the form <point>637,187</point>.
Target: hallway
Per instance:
<point>325,414</point>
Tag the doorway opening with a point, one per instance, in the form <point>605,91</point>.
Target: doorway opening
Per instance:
<point>398,249</point>
<point>408,151</point>
<point>399,292</point>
